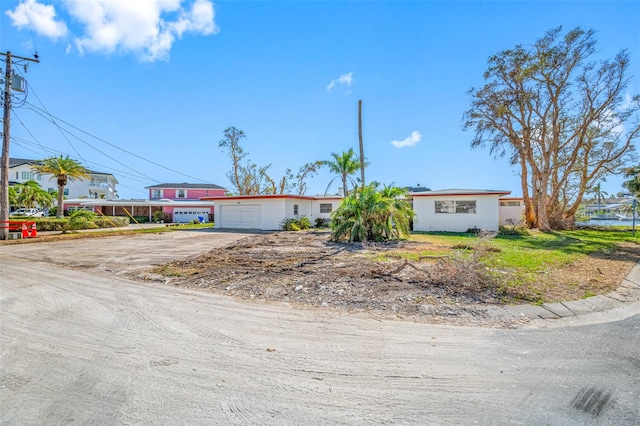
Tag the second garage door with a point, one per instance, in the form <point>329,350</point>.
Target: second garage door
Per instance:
<point>243,217</point>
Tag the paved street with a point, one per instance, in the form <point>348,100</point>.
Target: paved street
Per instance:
<point>81,344</point>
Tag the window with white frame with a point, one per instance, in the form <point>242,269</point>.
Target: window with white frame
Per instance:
<point>295,210</point>
<point>156,193</point>
<point>326,208</point>
<point>27,175</point>
<point>456,206</point>
<point>510,203</point>
<point>181,193</point>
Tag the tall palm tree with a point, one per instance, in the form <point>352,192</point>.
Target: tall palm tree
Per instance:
<point>63,169</point>
<point>344,165</point>
<point>29,194</point>
<point>599,195</point>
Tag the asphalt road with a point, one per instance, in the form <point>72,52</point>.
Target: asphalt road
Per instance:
<point>80,344</point>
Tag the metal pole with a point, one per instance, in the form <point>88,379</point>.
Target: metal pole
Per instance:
<point>4,174</point>
<point>633,226</point>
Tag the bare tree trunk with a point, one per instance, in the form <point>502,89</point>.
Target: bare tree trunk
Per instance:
<point>360,140</point>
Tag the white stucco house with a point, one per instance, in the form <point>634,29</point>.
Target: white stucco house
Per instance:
<point>511,210</point>
<point>452,210</point>
<point>265,212</point>
<point>457,210</point>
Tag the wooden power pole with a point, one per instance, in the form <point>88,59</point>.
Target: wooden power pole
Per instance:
<point>361,146</point>
<point>6,135</point>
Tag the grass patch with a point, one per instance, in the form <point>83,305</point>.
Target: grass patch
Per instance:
<point>546,266</point>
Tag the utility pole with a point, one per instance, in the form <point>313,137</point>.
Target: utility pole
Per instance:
<point>360,139</point>
<point>6,135</point>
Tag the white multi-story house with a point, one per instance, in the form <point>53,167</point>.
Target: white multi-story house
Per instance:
<point>98,186</point>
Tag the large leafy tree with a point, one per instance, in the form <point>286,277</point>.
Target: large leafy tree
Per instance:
<point>632,184</point>
<point>372,214</point>
<point>559,116</point>
<point>343,165</point>
<point>30,194</point>
<point>63,169</point>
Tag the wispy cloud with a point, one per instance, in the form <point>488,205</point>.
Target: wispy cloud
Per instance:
<point>40,17</point>
<point>345,79</point>
<point>410,141</point>
<point>147,28</point>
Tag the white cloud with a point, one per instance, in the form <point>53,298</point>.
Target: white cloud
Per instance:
<point>38,17</point>
<point>412,140</point>
<point>627,102</point>
<point>343,79</point>
<point>148,28</point>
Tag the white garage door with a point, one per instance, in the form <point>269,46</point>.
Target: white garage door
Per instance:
<point>187,214</point>
<point>243,217</point>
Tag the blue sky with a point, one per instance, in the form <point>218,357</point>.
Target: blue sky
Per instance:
<point>151,85</point>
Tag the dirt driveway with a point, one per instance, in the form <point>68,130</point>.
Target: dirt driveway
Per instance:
<point>81,344</point>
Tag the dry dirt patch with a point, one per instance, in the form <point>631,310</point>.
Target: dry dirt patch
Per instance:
<point>307,270</point>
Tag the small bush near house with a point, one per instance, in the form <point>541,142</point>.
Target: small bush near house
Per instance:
<point>322,222</point>
<point>82,219</point>
<point>140,219</point>
<point>158,216</point>
<point>295,223</point>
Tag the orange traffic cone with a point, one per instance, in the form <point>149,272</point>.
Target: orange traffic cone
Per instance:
<point>25,231</point>
<point>34,230</point>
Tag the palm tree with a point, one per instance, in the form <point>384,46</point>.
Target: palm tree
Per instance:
<point>369,214</point>
<point>599,195</point>
<point>344,165</point>
<point>63,169</point>
<point>29,194</point>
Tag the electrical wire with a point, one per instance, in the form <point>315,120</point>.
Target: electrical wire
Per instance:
<point>37,110</point>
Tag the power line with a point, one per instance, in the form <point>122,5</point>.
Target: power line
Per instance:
<point>36,109</point>
<point>53,121</point>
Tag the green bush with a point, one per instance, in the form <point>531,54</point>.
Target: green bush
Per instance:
<point>140,219</point>
<point>295,223</point>
<point>322,222</point>
<point>158,216</point>
<point>303,222</point>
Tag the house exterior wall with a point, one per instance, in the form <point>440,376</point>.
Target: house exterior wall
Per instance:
<point>511,211</point>
<point>315,208</point>
<point>304,208</point>
<point>426,218</point>
<point>271,212</point>
<point>190,194</point>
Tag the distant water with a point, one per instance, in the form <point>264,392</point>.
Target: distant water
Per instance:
<point>627,223</point>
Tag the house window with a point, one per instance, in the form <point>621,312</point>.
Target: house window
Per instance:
<point>510,203</point>
<point>51,190</point>
<point>455,206</point>
<point>66,192</point>
<point>17,175</point>
<point>156,193</point>
<point>326,208</point>
<point>27,175</point>
<point>181,193</point>
<point>295,210</point>
<point>445,207</point>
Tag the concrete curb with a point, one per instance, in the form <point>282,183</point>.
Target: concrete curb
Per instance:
<point>625,296</point>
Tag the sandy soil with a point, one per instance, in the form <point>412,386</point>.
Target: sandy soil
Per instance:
<point>309,271</point>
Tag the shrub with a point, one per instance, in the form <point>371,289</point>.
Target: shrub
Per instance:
<point>158,216</point>
<point>372,214</point>
<point>321,222</point>
<point>295,223</point>
<point>304,222</point>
